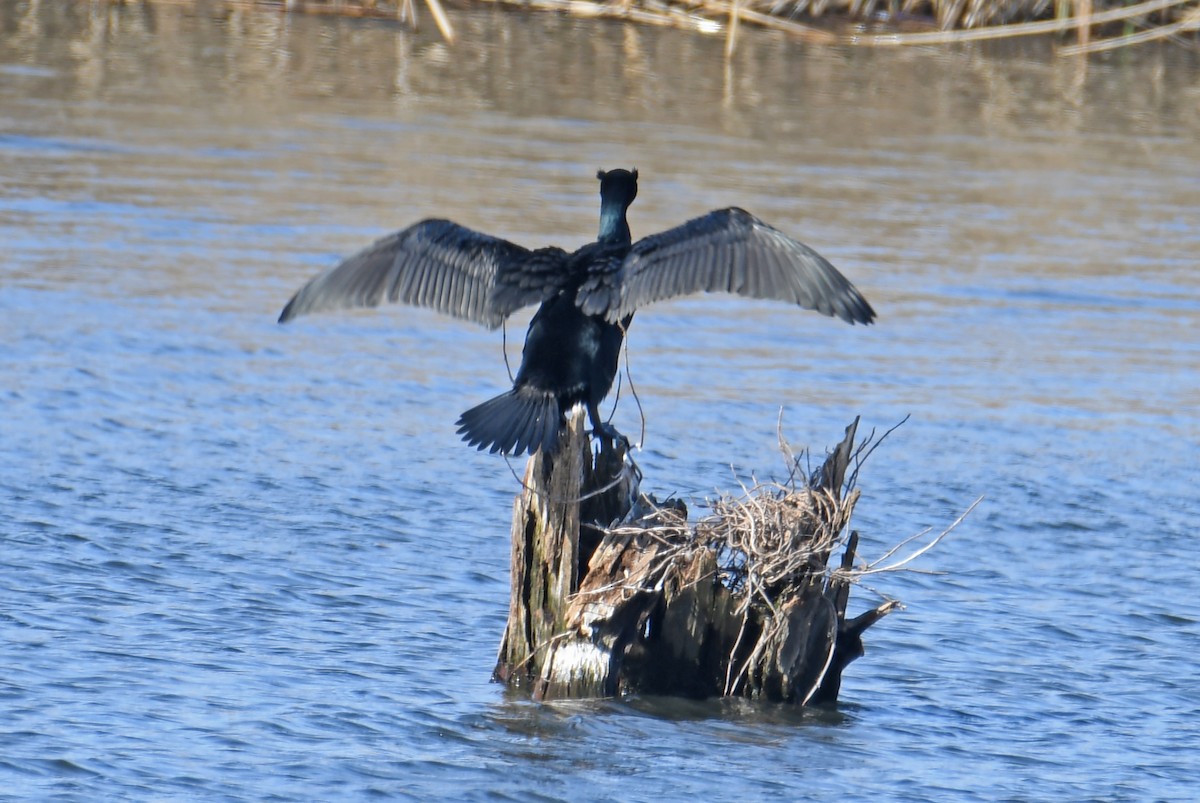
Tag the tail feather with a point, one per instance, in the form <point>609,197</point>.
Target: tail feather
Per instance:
<point>520,421</point>
<point>517,440</point>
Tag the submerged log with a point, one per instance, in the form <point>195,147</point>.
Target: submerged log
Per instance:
<point>614,593</point>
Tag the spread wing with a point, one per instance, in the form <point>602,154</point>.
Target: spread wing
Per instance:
<point>730,251</point>
<point>437,264</point>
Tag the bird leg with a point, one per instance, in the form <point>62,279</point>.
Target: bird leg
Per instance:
<point>603,429</point>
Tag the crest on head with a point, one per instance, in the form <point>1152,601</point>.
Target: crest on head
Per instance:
<point>618,184</point>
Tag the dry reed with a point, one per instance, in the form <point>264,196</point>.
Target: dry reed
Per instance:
<point>869,23</point>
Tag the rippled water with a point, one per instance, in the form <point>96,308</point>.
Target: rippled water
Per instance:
<point>249,561</point>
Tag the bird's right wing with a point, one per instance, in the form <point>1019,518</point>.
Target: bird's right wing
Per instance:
<point>435,263</point>
<point>727,250</point>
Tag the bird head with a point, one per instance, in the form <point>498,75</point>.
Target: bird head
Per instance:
<point>618,186</point>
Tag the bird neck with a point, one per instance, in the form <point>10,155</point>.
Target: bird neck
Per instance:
<point>613,226</point>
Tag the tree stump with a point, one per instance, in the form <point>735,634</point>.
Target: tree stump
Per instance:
<point>613,593</point>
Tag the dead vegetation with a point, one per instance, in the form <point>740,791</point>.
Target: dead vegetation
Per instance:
<point>1094,25</point>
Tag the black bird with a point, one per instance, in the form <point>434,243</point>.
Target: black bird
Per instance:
<point>587,298</point>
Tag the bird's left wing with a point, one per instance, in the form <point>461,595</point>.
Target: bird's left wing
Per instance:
<point>435,263</point>
<point>727,250</point>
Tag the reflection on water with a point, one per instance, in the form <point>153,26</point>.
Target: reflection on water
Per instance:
<point>242,559</point>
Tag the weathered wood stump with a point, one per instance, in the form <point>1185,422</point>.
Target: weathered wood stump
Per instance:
<point>613,593</point>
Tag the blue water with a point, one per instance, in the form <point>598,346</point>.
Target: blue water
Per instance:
<point>246,561</point>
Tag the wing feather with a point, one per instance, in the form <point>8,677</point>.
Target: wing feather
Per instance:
<point>437,264</point>
<point>727,250</point>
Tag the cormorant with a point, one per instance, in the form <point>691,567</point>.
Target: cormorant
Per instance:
<point>587,298</point>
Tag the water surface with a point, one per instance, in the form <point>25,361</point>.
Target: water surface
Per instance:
<point>239,560</point>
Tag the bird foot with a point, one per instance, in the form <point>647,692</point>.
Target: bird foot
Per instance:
<point>610,434</point>
<point>613,438</point>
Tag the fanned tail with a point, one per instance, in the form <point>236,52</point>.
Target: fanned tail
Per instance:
<point>522,420</point>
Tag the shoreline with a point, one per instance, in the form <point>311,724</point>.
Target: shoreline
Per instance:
<point>1083,26</point>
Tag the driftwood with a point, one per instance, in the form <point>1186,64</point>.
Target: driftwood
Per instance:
<point>614,593</point>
